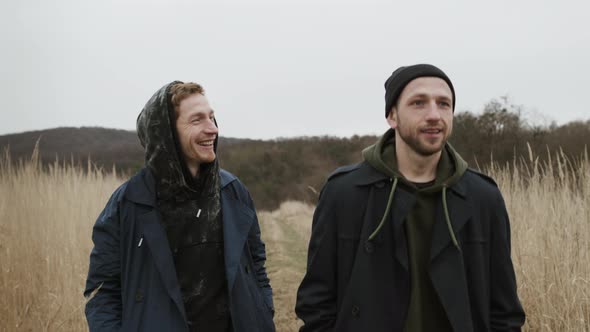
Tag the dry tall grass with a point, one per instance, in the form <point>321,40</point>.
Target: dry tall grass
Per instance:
<point>46,219</point>
<point>45,225</point>
<point>549,206</point>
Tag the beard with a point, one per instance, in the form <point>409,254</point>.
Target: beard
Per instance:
<point>422,146</point>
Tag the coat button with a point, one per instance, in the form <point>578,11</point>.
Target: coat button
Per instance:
<point>369,247</point>
<point>356,311</point>
<point>138,296</point>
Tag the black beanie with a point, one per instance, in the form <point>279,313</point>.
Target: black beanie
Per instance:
<point>398,80</point>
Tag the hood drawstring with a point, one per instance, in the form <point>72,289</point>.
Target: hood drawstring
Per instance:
<point>448,219</point>
<point>386,210</point>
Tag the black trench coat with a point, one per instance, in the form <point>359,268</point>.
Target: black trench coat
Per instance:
<point>353,284</point>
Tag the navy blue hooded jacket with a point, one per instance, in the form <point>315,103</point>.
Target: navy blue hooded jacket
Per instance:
<point>131,263</point>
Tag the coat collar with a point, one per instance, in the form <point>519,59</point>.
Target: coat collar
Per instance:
<point>459,188</point>
<point>365,174</point>
<point>226,178</point>
<point>141,188</point>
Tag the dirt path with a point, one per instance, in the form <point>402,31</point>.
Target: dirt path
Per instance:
<point>286,247</point>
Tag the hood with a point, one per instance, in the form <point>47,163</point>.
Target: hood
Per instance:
<point>157,133</point>
<point>381,156</point>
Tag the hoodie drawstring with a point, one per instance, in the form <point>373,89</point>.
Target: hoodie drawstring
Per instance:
<point>386,210</point>
<point>448,219</point>
<point>445,208</point>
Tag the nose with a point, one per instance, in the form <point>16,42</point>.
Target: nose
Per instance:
<point>211,127</point>
<point>433,112</point>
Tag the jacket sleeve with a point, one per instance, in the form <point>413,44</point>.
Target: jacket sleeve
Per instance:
<point>506,312</point>
<point>317,295</point>
<point>258,253</point>
<point>103,285</point>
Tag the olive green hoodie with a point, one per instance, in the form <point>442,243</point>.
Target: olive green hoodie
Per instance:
<point>425,312</point>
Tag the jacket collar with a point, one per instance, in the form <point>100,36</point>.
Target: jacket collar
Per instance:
<point>367,175</point>
<point>226,178</point>
<point>142,188</point>
<point>459,188</point>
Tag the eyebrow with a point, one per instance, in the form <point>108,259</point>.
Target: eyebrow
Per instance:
<point>202,113</point>
<point>425,95</point>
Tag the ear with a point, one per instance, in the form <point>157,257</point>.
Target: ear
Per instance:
<point>392,118</point>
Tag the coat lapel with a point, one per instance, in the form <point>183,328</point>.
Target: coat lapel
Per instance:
<point>237,221</point>
<point>377,201</point>
<point>447,270</point>
<point>447,273</point>
<point>459,213</point>
<point>142,191</point>
<point>156,240</point>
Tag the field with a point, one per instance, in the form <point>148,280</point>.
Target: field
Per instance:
<point>46,219</point>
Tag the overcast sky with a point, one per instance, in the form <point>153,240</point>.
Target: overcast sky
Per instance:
<point>284,68</point>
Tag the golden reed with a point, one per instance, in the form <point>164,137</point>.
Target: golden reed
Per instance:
<point>47,213</point>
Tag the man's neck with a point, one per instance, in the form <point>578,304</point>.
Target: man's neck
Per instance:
<point>193,169</point>
<point>415,167</point>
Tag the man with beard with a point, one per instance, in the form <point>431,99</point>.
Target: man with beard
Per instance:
<point>177,247</point>
<point>411,239</point>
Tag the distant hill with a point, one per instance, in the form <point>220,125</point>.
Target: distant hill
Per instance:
<point>104,147</point>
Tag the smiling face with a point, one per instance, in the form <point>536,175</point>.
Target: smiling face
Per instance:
<point>423,116</point>
<point>196,131</point>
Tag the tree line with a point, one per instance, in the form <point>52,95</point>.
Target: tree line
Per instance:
<point>296,168</point>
